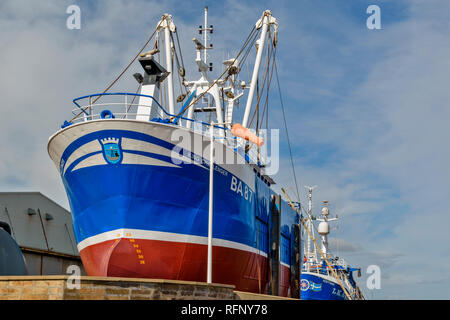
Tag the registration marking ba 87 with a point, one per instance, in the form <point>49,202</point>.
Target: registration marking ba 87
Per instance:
<point>244,191</point>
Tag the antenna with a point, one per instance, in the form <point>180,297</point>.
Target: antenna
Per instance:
<point>310,190</point>
<point>205,35</point>
<point>204,30</point>
<point>311,256</point>
<point>324,227</point>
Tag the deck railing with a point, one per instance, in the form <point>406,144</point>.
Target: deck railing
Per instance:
<point>123,105</point>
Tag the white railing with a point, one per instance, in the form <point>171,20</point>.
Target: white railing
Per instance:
<point>127,109</point>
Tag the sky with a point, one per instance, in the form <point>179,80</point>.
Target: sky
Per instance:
<point>367,110</point>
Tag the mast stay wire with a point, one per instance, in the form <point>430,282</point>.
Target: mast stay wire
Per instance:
<point>287,131</point>
<point>180,67</point>
<point>271,49</point>
<point>124,70</point>
<point>132,101</point>
<point>266,104</point>
<point>246,53</point>
<point>268,73</point>
<point>179,49</point>
<point>250,36</point>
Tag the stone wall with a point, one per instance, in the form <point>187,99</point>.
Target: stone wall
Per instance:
<point>102,288</point>
<point>99,288</point>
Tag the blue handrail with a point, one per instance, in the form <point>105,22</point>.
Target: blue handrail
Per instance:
<point>175,117</point>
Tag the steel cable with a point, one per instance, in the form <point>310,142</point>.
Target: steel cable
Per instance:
<point>124,70</point>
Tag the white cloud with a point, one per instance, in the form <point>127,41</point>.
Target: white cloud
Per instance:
<point>387,153</point>
<point>340,245</point>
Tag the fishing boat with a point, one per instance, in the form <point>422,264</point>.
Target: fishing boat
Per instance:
<point>177,188</point>
<point>325,276</point>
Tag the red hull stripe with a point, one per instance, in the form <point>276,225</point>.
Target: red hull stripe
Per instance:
<point>138,258</point>
<point>164,236</point>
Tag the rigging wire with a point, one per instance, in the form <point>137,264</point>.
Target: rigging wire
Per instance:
<point>180,68</point>
<point>250,36</point>
<point>124,70</point>
<point>266,104</point>
<point>179,49</point>
<point>134,98</point>
<point>270,56</point>
<point>287,132</point>
<point>247,51</point>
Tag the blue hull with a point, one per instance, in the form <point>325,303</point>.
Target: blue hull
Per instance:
<point>153,199</point>
<point>316,287</point>
<point>159,198</point>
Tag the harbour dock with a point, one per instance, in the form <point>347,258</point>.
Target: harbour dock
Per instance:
<point>110,288</point>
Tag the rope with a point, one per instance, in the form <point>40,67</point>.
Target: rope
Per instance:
<point>268,73</point>
<point>287,132</point>
<point>266,103</point>
<point>132,101</point>
<point>179,49</point>
<point>175,54</point>
<point>271,56</point>
<point>126,68</point>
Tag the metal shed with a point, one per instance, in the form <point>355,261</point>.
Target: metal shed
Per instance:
<point>43,230</point>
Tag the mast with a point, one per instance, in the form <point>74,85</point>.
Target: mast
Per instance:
<point>324,229</point>
<point>203,84</point>
<point>231,88</point>
<point>169,27</point>
<point>205,35</point>
<point>264,22</point>
<point>310,255</point>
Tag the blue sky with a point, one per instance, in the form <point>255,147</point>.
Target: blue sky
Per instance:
<point>367,110</point>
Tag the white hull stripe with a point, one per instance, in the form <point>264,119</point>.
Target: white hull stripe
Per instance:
<point>86,148</point>
<point>130,158</point>
<point>144,146</point>
<point>163,236</point>
<point>140,145</point>
<point>94,160</point>
<point>63,138</point>
<point>323,276</point>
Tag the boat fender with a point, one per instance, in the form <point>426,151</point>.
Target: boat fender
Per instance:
<point>65,124</point>
<point>106,114</point>
<point>160,120</point>
<point>5,227</point>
